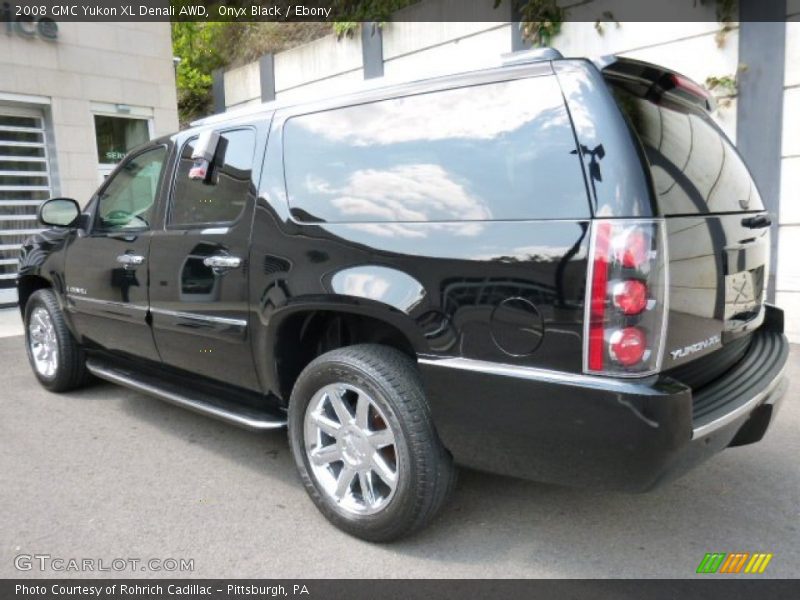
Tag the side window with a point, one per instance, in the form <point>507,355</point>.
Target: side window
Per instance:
<point>495,151</point>
<point>128,201</point>
<point>222,196</point>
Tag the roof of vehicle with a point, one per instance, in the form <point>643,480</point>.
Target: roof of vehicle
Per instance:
<point>515,64</point>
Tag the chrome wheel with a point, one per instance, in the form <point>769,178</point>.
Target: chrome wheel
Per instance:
<point>351,449</point>
<point>43,342</point>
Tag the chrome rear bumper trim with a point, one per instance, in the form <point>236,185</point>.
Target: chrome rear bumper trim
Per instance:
<point>739,411</point>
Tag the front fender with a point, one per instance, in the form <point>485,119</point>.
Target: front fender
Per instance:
<point>41,264</point>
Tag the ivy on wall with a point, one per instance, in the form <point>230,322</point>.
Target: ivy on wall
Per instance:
<point>725,87</point>
<point>540,20</point>
<point>203,47</point>
<point>355,12</point>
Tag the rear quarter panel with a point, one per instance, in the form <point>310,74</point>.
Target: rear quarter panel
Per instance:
<point>440,283</point>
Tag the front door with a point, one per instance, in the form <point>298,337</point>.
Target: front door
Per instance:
<point>106,269</point>
<point>198,265</point>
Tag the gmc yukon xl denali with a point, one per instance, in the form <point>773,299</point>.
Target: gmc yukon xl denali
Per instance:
<point>554,269</point>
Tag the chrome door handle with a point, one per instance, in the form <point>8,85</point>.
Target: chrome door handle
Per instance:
<point>221,262</point>
<point>130,260</point>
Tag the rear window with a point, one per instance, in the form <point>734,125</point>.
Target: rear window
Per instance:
<point>495,151</point>
<point>695,168</point>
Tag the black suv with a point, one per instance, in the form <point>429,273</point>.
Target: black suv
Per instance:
<point>554,269</point>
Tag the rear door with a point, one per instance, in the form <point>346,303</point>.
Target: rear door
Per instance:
<point>199,280</point>
<point>717,228</point>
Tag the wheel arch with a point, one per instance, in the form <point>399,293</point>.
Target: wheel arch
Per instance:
<point>297,334</point>
<point>27,285</point>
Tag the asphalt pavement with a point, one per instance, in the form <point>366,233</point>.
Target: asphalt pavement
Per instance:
<point>106,473</point>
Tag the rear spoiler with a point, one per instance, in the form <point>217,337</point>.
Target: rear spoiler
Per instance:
<point>653,81</point>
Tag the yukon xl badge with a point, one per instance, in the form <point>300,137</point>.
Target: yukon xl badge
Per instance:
<point>687,350</point>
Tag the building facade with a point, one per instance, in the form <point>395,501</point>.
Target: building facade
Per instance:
<point>74,98</point>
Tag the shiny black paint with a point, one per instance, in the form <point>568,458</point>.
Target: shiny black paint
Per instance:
<point>199,316</point>
<point>115,315</point>
<point>435,290</point>
<point>107,302</point>
<point>612,159</point>
<point>717,282</point>
<point>589,431</point>
<point>437,283</point>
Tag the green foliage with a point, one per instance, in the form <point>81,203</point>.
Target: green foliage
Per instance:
<point>355,12</point>
<point>540,20</point>
<point>197,45</point>
<point>345,28</point>
<point>205,46</point>
<point>725,87</point>
<point>607,16</point>
<point>254,39</point>
<point>726,12</point>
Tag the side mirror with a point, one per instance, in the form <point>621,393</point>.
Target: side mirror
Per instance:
<point>59,212</point>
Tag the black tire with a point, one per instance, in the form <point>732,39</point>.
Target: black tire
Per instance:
<point>425,471</point>
<point>70,371</point>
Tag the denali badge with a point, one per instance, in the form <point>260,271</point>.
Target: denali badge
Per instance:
<point>687,350</point>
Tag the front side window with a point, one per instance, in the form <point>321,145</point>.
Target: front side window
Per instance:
<point>128,201</point>
<point>223,194</point>
<point>486,152</point>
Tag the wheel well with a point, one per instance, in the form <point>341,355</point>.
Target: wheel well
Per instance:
<point>307,335</point>
<point>27,285</point>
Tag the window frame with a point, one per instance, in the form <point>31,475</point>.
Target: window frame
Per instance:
<point>168,225</point>
<point>98,196</point>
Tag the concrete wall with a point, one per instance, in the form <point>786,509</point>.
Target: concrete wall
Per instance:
<point>674,45</point>
<point>113,63</point>
<point>415,50</point>
<point>324,67</point>
<point>788,281</point>
<point>419,50</point>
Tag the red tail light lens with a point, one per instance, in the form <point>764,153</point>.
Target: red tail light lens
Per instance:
<point>627,346</point>
<point>626,297</point>
<point>633,249</point>
<point>630,296</point>
<point>597,302</point>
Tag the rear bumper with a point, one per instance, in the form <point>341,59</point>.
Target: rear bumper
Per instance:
<point>595,431</point>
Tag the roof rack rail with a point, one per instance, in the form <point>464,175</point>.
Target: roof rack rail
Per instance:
<point>532,55</point>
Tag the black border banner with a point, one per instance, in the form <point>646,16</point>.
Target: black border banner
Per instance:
<point>396,589</point>
<point>609,11</point>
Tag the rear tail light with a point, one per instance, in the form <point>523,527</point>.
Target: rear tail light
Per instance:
<point>626,298</point>
<point>630,296</point>
<point>627,346</point>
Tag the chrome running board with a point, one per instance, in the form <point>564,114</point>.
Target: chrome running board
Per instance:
<point>218,408</point>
